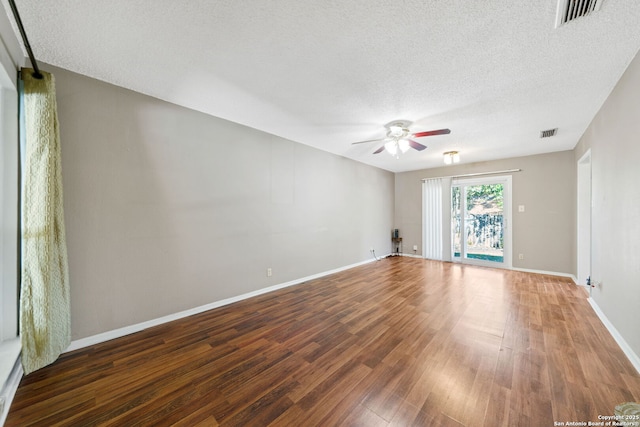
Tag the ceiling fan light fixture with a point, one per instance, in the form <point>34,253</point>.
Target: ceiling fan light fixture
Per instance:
<point>451,157</point>
<point>399,138</point>
<point>395,130</point>
<point>396,146</point>
<point>404,146</point>
<point>391,147</point>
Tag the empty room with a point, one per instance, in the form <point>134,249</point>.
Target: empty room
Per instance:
<point>312,213</point>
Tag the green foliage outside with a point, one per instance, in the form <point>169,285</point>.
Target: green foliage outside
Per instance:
<point>485,226</point>
<point>479,195</point>
<point>485,194</point>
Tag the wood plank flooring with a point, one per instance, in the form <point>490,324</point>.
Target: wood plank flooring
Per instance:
<point>399,342</point>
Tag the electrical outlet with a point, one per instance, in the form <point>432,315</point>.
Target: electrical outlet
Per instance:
<point>415,247</point>
<point>371,249</point>
<point>269,272</point>
<point>520,256</point>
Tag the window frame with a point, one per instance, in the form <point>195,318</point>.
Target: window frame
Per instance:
<point>9,219</point>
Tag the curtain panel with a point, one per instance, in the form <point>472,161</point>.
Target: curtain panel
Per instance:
<point>45,320</point>
<point>436,219</point>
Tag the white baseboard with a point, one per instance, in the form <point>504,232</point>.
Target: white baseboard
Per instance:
<point>548,273</point>
<point>524,270</point>
<point>412,255</point>
<point>626,349</point>
<point>127,330</point>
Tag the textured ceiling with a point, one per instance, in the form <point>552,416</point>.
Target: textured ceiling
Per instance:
<point>327,73</point>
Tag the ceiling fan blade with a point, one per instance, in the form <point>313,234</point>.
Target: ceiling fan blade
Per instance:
<point>368,140</point>
<point>379,150</point>
<point>431,133</point>
<point>416,145</point>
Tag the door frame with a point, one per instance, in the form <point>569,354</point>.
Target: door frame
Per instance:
<point>505,180</point>
<point>583,218</point>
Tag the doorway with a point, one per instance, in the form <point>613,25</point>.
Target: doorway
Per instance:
<point>584,219</point>
<point>480,221</point>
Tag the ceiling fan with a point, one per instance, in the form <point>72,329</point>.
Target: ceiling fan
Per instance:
<point>399,139</point>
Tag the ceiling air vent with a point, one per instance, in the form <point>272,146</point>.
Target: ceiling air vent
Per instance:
<point>568,10</point>
<point>548,133</point>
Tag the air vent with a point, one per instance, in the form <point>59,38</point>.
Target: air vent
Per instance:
<point>569,10</point>
<point>548,133</point>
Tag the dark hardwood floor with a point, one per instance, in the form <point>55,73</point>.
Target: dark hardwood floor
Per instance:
<point>399,342</point>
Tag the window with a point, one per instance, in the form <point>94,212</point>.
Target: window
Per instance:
<point>8,212</point>
<point>9,217</point>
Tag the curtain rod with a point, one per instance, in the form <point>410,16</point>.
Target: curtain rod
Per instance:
<point>34,64</point>
<point>475,174</point>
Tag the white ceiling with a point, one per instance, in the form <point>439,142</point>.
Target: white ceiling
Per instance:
<point>327,73</point>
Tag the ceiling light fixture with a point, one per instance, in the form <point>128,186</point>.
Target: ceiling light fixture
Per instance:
<point>396,146</point>
<point>451,157</point>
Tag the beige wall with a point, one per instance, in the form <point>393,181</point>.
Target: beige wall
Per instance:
<point>615,256</point>
<point>169,209</point>
<point>544,233</point>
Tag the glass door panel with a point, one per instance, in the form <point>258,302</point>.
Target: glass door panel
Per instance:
<point>483,222</point>
<point>479,212</point>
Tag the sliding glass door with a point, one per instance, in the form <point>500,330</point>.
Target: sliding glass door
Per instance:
<point>480,221</point>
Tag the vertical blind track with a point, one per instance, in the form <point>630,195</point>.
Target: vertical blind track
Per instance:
<point>32,58</point>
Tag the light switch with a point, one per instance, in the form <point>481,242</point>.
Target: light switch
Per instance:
<point>520,208</point>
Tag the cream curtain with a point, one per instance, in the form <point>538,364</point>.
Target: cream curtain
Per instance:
<point>45,322</point>
<point>436,219</point>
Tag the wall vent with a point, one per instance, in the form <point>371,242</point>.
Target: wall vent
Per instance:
<point>548,133</point>
<point>568,10</point>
